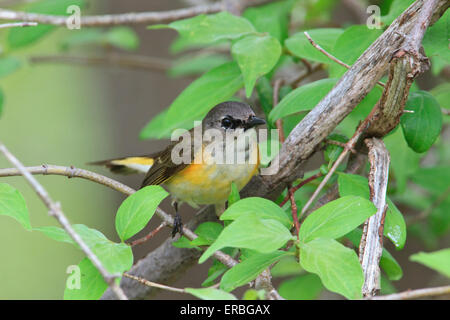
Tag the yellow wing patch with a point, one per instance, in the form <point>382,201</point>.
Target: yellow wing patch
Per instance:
<point>133,160</point>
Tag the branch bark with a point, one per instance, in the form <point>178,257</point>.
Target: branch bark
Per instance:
<point>371,245</point>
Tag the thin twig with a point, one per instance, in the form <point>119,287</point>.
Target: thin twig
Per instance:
<point>301,184</point>
<point>153,284</point>
<point>56,212</point>
<point>349,146</point>
<point>414,294</point>
<point>18,24</point>
<point>124,18</point>
<point>148,236</point>
<point>329,55</point>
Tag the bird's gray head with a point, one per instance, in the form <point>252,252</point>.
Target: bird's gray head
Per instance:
<point>231,115</point>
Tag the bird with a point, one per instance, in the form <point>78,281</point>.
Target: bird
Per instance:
<point>222,151</point>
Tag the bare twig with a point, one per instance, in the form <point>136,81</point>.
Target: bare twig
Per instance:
<point>329,55</point>
<point>415,294</point>
<point>124,18</point>
<point>71,172</point>
<point>350,145</point>
<point>153,284</point>
<point>301,184</point>
<point>371,245</point>
<point>148,236</point>
<point>56,212</point>
<point>116,60</point>
<point>18,24</point>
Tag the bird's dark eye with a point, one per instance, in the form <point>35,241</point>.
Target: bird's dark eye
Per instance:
<point>227,123</point>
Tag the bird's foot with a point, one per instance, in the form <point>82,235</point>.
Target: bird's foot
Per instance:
<point>177,225</point>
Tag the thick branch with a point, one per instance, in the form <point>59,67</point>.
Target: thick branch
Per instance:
<point>371,245</point>
<point>340,101</point>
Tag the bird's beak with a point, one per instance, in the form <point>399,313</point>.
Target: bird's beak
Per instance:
<point>253,122</point>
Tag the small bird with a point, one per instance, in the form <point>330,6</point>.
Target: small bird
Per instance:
<point>206,177</point>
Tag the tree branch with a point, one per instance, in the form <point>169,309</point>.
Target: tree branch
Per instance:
<point>371,245</point>
<point>18,24</point>
<point>56,212</point>
<point>124,18</point>
<point>415,294</point>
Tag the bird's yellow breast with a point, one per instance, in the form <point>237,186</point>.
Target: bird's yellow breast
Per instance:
<point>210,183</point>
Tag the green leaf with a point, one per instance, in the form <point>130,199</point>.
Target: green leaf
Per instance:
<point>271,18</point>
<point>350,45</point>
<point>304,98</point>
<point>287,266</point>
<point>137,210</point>
<point>256,55</point>
<point>184,242</point>
<point>337,266</point>
<point>92,285</point>
<point>438,260</point>
<point>333,151</point>
<point>197,64</point>
<point>55,233</point>
<point>263,208</point>
<point>19,37</point>
<point>115,257</point>
<point>390,266</point>
<point>422,127</point>
<point>336,218</point>
<point>215,271</point>
<point>251,232</point>
<point>210,294</point>
<point>215,86</point>
<point>394,224</point>
<point>204,29</point>
<point>249,269</point>
<point>300,46</point>
<point>234,195</point>
<point>304,287</point>
<point>13,204</point>
<point>8,65</point>
<point>122,37</point>
<point>207,232</point>
<point>397,7</point>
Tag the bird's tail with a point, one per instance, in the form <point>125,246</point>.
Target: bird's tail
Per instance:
<point>127,165</point>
